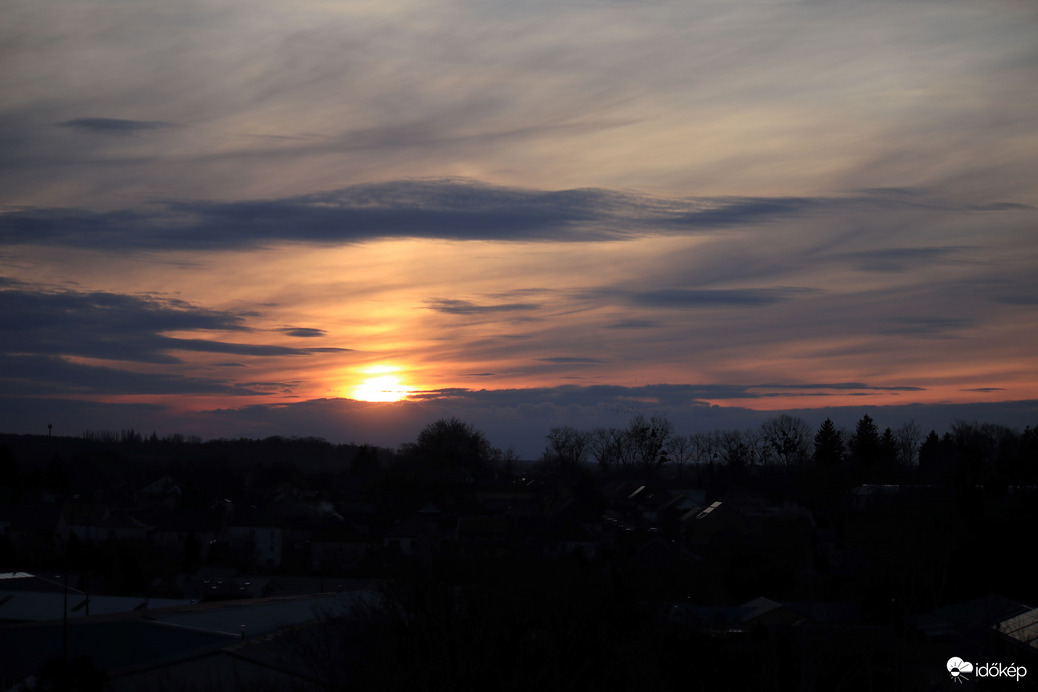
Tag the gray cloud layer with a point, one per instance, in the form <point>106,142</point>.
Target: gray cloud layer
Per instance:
<point>448,209</point>
<point>44,326</point>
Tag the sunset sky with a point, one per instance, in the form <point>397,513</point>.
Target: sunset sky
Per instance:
<point>228,218</point>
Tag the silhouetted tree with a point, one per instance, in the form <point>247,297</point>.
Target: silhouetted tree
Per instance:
<point>648,440</point>
<point>567,446</point>
<point>365,462</point>
<point>731,449</point>
<point>908,438</point>
<point>450,443</point>
<point>788,438</point>
<point>680,450</point>
<point>865,444</point>
<point>611,448</point>
<point>829,448</point>
<point>933,457</point>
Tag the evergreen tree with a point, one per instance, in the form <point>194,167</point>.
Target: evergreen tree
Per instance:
<point>865,444</point>
<point>828,445</point>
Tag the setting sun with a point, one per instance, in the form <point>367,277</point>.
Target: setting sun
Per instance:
<point>383,386</point>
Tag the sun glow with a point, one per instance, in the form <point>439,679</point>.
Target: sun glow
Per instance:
<point>382,386</point>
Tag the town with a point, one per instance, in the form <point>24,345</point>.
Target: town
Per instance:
<point>630,558</point>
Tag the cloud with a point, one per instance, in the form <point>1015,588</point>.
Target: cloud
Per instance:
<point>303,332</point>
<point>840,386</point>
<point>112,326</point>
<point>451,209</point>
<point>634,324</point>
<point>929,326</point>
<point>904,259</point>
<point>465,307</point>
<point>114,125</point>
<point>35,376</point>
<point>706,298</point>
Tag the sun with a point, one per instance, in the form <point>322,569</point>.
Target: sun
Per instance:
<point>381,387</point>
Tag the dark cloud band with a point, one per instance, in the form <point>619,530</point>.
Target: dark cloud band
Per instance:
<point>446,209</point>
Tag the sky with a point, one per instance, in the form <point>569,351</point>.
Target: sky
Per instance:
<point>228,218</point>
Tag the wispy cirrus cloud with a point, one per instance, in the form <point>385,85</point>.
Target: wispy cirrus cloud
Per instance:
<point>716,297</point>
<point>467,307</point>
<point>114,126</point>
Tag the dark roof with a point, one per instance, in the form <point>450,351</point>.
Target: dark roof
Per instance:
<point>985,611</point>
<point>483,526</point>
<point>1022,628</point>
<point>31,517</point>
<point>110,645</point>
<point>100,515</point>
<point>25,581</point>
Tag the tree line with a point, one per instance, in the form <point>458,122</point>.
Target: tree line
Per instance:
<point>968,452</point>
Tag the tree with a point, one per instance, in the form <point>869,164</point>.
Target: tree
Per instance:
<point>680,450</point>
<point>450,443</point>
<point>365,462</point>
<point>788,438</point>
<point>888,447</point>
<point>933,455</point>
<point>609,447</point>
<point>703,449</point>
<point>757,449</point>
<point>908,436</point>
<point>648,439</point>
<point>865,443</point>
<point>567,445</point>
<point>828,445</point>
<point>731,448</point>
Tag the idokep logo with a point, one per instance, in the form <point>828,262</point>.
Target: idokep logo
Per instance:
<point>958,668</point>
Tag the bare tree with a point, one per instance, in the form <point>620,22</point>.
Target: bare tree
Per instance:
<point>568,445</point>
<point>788,438</point>
<point>703,448</point>
<point>909,437</point>
<point>609,447</point>
<point>680,450</point>
<point>757,449</point>
<point>648,438</point>
<point>731,448</point>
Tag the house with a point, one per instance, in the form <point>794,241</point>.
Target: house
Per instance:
<point>36,532</point>
<point>765,614</point>
<point>231,645</point>
<point>29,597</point>
<point>1021,630</point>
<point>512,501</point>
<point>165,491</point>
<point>97,523</point>
<point>339,547</point>
<point>258,539</point>
<point>483,535</point>
<point>403,539</point>
<point>712,524</point>
<point>570,537</point>
<point>181,532</point>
